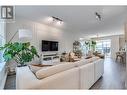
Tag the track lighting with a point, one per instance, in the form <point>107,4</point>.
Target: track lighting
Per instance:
<point>98,16</point>
<point>57,20</point>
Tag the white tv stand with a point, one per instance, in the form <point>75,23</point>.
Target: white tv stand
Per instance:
<point>50,59</point>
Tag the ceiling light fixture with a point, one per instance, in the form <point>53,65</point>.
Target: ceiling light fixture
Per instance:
<point>57,20</point>
<point>98,16</point>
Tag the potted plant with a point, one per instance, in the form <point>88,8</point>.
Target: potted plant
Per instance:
<point>93,45</point>
<point>19,52</point>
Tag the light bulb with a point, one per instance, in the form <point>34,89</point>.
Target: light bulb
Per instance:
<point>50,19</point>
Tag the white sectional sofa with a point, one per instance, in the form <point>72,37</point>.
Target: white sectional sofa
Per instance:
<point>66,75</point>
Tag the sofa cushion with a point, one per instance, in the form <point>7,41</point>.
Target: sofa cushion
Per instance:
<point>90,60</point>
<point>45,72</point>
<point>85,61</point>
<point>34,69</point>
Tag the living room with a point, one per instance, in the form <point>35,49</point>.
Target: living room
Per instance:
<point>67,27</point>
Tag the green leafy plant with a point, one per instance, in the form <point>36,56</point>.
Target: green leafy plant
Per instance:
<point>93,45</point>
<point>90,45</point>
<point>20,52</point>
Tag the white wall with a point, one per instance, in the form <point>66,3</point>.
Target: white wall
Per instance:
<point>114,46</point>
<point>125,31</point>
<point>41,32</point>
<point>121,41</point>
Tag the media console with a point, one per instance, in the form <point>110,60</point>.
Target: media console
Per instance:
<point>50,59</point>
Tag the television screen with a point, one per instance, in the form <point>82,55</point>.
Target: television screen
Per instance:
<point>49,45</point>
<point>45,46</point>
<point>54,46</point>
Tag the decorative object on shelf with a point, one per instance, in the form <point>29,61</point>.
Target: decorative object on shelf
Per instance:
<point>77,49</point>
<point>69,57</point>
<point>19,52</point>
<point>64,53</point>
<point>63,57</point>
<point>73,57</point>
<point>78,53</point>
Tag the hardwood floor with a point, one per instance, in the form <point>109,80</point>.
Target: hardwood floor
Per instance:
<point>10,82</point>
<point>113,78</point>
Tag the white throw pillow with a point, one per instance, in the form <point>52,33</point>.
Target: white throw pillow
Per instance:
<point>45,72</point>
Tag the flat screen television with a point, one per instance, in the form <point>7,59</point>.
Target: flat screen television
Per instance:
<point>49,45</point>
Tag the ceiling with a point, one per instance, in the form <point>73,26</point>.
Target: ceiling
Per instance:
<point>79,19</point>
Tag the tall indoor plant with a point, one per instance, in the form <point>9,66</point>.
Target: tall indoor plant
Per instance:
<point>19,52</point>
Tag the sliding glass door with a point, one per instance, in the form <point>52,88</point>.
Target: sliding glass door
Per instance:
<point>104,46</point>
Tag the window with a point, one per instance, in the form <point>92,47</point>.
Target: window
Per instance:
<point>2,40</point>
<point>104,46</point>
<point>1,53</point>
<point>83,47</point>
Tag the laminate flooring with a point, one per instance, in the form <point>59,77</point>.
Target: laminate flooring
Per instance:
<point>113,77</point>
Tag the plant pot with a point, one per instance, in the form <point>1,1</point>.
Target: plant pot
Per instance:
<point>21,65</point>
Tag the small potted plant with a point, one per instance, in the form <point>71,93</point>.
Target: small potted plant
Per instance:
<point>21,53</point>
